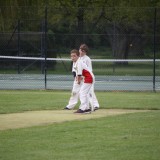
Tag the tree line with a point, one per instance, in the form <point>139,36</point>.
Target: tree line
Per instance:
<point>125,26</point>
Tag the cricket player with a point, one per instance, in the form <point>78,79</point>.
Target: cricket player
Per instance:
<point>75,89</point>
<point>83,50</point>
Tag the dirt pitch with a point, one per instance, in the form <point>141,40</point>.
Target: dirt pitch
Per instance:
<point>37,118</point>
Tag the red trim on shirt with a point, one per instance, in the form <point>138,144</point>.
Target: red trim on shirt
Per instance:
<point>87,76</point>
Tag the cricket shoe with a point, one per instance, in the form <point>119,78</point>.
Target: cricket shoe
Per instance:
<point>96,108</point>
<point>66,108</point>
<point>87,111</point>
<point>79,111</point>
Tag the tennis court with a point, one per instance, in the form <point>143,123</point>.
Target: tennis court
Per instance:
<point>64,82</point>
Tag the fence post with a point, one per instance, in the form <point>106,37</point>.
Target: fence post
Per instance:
<point>45,46</point>
<point>18,53</point>
<point>114,45</point>
<point>42,45</point>
<point>154,50</point>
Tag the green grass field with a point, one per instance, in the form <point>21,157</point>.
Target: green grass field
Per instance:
<point>132,136</point>
<point>18,101</point>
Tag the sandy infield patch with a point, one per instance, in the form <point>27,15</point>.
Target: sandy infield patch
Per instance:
<point>37,118</point>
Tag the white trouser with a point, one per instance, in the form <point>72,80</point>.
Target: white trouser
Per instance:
<point>74,95</point>
<point>83,95</point>
<point>92,97</point>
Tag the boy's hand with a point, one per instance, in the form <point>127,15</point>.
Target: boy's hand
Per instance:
<point>79,79</point>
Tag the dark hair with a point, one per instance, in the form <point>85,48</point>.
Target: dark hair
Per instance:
<point>84,47</point>
<point>75,51</point>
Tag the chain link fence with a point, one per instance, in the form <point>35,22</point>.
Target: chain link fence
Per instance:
<point>124,47</point>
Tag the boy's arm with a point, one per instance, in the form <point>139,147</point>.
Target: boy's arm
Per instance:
<point>79,72</point>
<point>74,74</point>
<point>89,63</point>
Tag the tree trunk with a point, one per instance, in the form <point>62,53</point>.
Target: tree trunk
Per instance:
<point>80,27</point>
<point>122,43</point>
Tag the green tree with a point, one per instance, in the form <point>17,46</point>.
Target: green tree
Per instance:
<point>125,22</point>
<point>119,19</point>
<point>116,21</point>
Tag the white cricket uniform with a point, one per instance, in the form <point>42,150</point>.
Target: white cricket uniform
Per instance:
<point>92,97</point>
<point>75,91</point>
<point>83,70</point>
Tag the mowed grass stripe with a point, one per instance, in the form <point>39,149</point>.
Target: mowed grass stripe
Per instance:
<point>123,137</point>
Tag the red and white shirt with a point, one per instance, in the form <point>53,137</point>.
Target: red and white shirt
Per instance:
<point>87,61</point>
<point>83,70</point>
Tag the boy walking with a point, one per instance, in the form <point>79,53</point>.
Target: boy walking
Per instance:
<point>76,87</point>
<point>83,73</point>
<point>83,50</point>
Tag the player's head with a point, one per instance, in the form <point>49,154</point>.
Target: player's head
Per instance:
<point>83,50</point>
<point>74,55</point>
